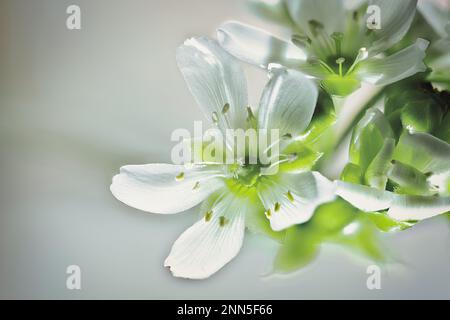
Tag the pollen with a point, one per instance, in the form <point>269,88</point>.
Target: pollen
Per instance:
<point>223,221</point>
<point>290,196</point>
<point>277,207</point>
<point>208,216</point>
<point>225,108</point>
<point>180,177</point>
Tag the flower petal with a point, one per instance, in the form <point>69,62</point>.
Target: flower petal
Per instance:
<point>364,198</point>
<point>401,65</point>
<point>212,242</point>
<point>272,10</point>
<point>395,20</point>
<point>293,198</point>
<point>288,102</point>
<point>329,13</point>
<point>257,47</point>
<point>215,80</point>
<point>436,16</point>
<point>406,208</point>
<point>165,188</point>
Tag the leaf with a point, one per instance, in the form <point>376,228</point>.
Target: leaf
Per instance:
<point>423,152</point>
<point>368,138</point>
<point>352,173</point>
<point>376,174</point>
<point>386,224</point>
<point>300,247</point>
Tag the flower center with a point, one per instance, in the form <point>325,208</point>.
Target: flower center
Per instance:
<point>247,174</point>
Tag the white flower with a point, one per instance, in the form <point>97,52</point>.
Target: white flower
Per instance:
<point>333,44</point>
<point>238,195</point>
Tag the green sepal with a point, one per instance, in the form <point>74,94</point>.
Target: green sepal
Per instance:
<point>352,173</point>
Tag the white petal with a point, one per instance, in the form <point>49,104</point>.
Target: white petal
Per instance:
<point>406,208</point>
<point>215,79</point>
<point>401,65</point>
<point>364,198</point>
<point>165,188</point>
<point>288,102</point>
<point>437,16</point>
<point>257,47</point>
<point>272,10</point>
<point>207,246</point>
<point>294,198</point>
<point>329,13</point>
<point>396,18</point>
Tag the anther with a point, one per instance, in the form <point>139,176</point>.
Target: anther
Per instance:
<point>196,186</point>
<point>180,176</point>
<point>223,221</point>
<point>225,108</point>
<point>208,216</point>
<point>290,196</point>
<point>277,207</point>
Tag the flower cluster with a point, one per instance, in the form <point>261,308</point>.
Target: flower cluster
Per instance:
<point>398,170</point>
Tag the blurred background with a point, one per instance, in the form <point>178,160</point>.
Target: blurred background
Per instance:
<point>75,105</point>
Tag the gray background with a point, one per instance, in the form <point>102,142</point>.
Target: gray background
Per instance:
<point>76,105</point>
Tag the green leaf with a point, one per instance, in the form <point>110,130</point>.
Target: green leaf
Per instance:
<point>409,180</point>
<point>300,247</point>
<point>386,224</point>
<point>376,174</point>
<point>332,217</point>
<point>362,236</point>
<point>421,116</point>
<point>368,138</point>
<point>423,152</point>
<point>352,173</point>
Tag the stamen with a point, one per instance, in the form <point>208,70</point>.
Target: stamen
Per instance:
<point>323,64</point>
<point>225,108</point>
<point>180,177</point>
<point>362,55</point>
<point>315,26</point>
<point>268,213</point>
<point>290,196</point>
<point>208,216</point>
<point>301,40</point>
<point>277,207</point>
<point>337,37</point>
<point>223,221</point>
<point>340,62</point>
<point>196,186</point>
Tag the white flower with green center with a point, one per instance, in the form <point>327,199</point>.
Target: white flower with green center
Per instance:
<point>332,43</point>
<point>410,178</point>
<point>238,195</point>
